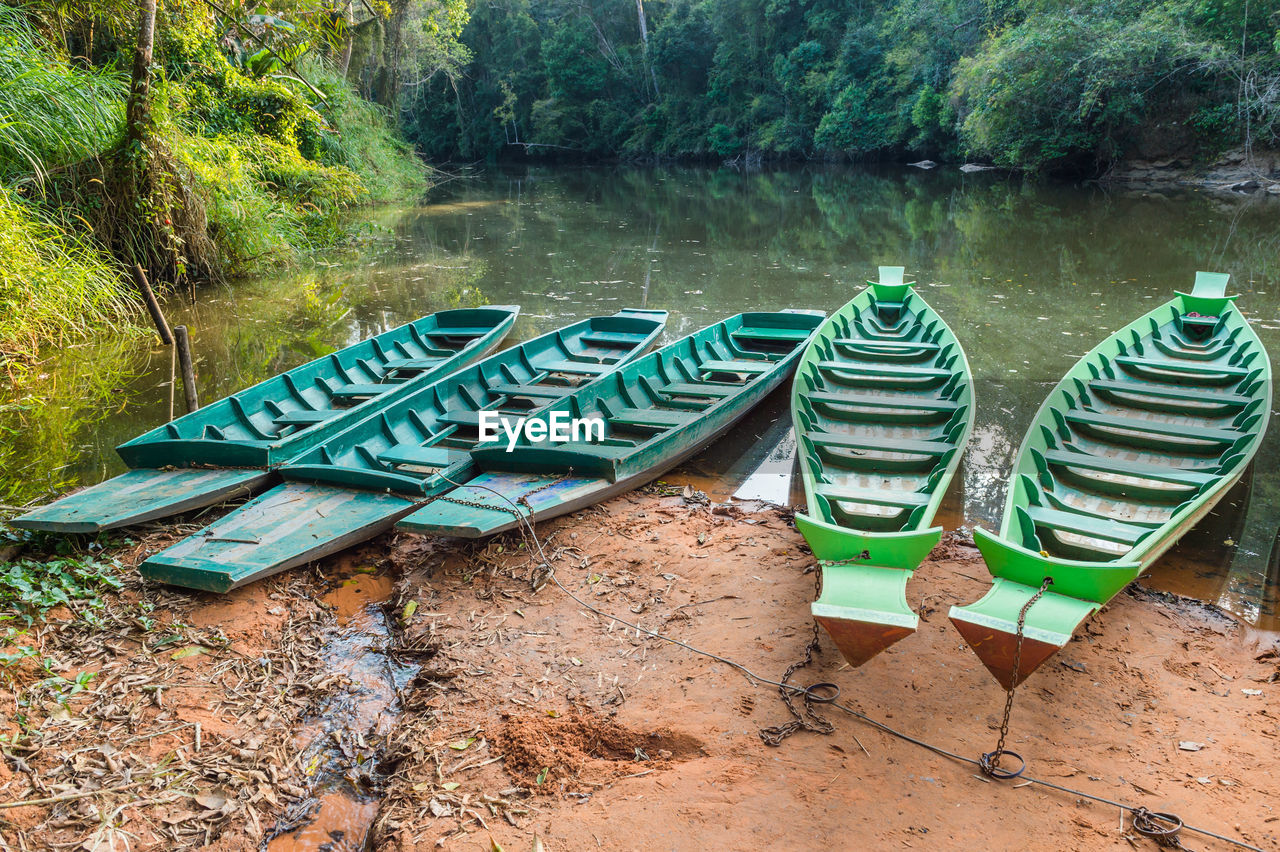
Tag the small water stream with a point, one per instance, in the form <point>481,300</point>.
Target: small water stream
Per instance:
<point>341,744</point>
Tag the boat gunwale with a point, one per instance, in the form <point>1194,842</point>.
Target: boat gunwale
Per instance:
<point>142,450</point>
<point>748,391</point>
<point>299,469</point>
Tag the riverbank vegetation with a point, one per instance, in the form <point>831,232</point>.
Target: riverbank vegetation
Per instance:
<point>1029,84</point>
<point>237,147</point>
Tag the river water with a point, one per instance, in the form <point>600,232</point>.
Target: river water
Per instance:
<point>1029,275</point>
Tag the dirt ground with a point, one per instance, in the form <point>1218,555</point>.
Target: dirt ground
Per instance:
<point>525,715</point>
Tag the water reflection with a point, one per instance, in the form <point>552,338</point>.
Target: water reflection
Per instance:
<point>1030,276</point>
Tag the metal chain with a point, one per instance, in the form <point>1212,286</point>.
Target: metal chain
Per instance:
<point>1162,828</point>
<point>512,508</point>
<point>990,761</point>
<point>831,694</point>
<point>810,719</point>
<point>523,500</point>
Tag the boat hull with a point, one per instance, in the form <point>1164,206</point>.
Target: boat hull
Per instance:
<point>1139,442</point>
<point>882,408</point>
<point>359,483</point>
<point>536,481</point>
<point>229,433</point>
<point>290,525</point>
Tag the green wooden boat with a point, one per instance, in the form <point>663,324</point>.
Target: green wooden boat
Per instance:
<point>651,415</point>
<point>228,448</point>
<point>1134,446</point>
<point>359,482</point>
<point>883,407</point>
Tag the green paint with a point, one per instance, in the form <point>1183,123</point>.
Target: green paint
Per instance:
<point>656,412</point>
<point>358,483</point>
<point>885,361</point>
<point>1069,518</point>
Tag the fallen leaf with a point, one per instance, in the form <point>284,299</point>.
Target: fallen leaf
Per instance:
<point>211,801</point>
<point>409,609</point>
<point>461,745</point>
<point>189,651</point>
<point>451,785</point>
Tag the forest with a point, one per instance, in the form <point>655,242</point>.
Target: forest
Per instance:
<point>1042,85</point>
<point>203,140</point>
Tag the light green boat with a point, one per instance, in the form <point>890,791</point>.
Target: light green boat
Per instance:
<point>1132,448</point>
<point>882,406</point>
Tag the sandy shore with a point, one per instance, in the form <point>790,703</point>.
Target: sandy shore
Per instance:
<point>517,713</point>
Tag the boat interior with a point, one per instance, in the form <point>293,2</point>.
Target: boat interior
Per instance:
<point>1124,448</point>
<point>430,431</point>
<point>880,413</point>
<point>670,389</point>
<point>293,402</point>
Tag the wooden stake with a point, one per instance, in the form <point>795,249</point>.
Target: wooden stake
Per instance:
<point>153,305</point>
<point>188,369</point>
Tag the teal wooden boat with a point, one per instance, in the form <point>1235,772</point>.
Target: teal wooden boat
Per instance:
<point>882,407</point>
<point>358,483</point>
<point>228,448</point>
<point>1132,448</point>
<point>649,417</point>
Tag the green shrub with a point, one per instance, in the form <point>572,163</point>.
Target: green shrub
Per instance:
<point>1070,83</point>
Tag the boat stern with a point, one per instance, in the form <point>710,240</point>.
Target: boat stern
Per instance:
<point>141,495</point>
<point>990,627</point>
<point>863,605</point>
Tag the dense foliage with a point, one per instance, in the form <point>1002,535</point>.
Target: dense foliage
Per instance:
<point>1026,83</point>
<point>257,126</point>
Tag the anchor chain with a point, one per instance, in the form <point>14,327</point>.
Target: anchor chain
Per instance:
<point>512,509</point>
<point>1163,828</point>
<point>990,762</point>
<point>817,693</point>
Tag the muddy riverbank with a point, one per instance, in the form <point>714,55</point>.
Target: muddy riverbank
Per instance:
<point>421,693</point>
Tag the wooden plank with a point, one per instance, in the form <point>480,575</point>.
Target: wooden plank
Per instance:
<point>142,495</point>
<point>287,526</point>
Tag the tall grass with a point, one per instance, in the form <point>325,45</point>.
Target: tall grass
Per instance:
<point>266,204</point>
<point>363,137</point>
<point>52,284</point>
<point>52,113</point>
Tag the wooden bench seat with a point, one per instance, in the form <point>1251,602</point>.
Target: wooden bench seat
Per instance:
<point>1122,467</point>
<point>1105,529</point>
<point>421,456</point>
<point>873,497</point>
